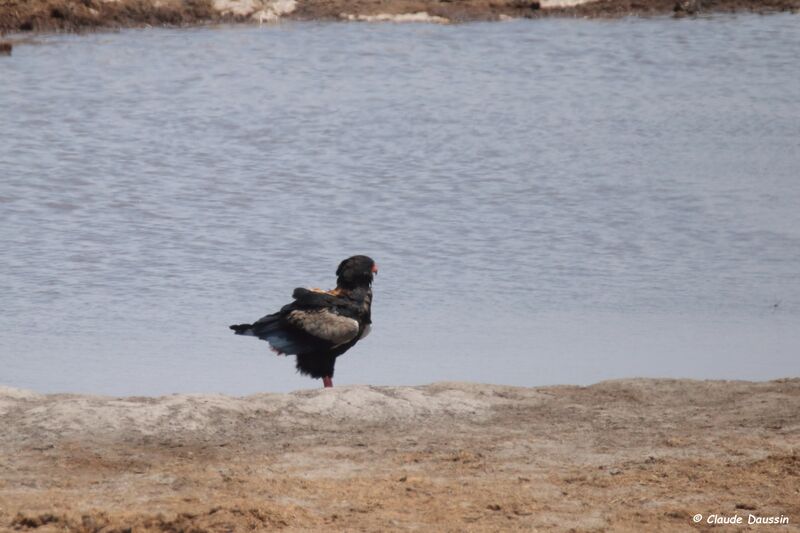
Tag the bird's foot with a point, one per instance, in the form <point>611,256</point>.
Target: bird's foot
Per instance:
<point>327,382</point>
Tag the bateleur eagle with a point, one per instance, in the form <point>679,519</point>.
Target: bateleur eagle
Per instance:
<point>319,326</point>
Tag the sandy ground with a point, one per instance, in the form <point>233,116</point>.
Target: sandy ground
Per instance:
<point>631,455</point>
<point>81,15</point>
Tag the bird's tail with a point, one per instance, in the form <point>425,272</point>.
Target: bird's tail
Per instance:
<point>242,329</point>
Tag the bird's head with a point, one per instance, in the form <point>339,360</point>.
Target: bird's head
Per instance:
<point>356,271</point>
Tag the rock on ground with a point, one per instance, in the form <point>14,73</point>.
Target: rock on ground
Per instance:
<point>630,455</point>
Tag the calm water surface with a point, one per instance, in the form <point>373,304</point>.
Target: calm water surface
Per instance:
<point>555,201</point>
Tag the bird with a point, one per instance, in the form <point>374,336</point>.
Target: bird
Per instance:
<point>319,325</point>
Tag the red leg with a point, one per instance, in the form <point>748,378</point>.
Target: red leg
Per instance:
<point>327,382</point>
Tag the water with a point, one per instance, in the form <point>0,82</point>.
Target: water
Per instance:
<point>554,201</point>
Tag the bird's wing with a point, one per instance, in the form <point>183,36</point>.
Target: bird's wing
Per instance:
<point>308,324</point>
<point>325,324</point>
<point>314,298</point>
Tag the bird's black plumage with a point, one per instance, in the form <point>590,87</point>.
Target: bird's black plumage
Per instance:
<point>319,326</point>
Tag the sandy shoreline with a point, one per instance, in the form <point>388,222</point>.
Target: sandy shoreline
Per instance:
<point>629,455</point>
<point>83,15</point>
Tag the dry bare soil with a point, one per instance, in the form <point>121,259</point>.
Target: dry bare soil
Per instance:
<point>83,15</point>
<point>631,455</point>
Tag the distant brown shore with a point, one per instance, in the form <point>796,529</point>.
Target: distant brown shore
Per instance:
<point>627,455</point>
<point>19,16</point>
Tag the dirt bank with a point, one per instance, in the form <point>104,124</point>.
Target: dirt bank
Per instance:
<point>81,15</point>
<point>633,455</point>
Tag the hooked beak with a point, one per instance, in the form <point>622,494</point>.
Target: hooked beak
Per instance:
<point>374,269</point>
